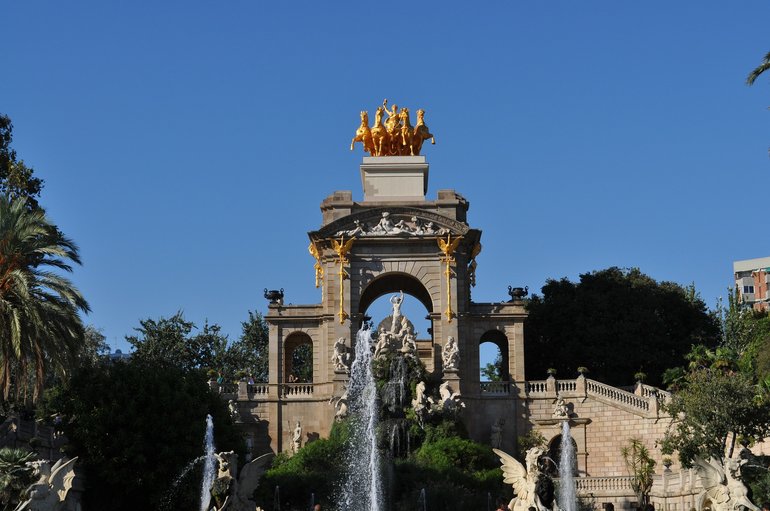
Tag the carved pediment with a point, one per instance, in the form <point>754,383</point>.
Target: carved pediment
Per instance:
<point>396,221</point>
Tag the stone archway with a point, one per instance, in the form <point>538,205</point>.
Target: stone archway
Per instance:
<point>293,342</point>
<point>500,340</point>
<point>554,453</point>
<point>393,282</point>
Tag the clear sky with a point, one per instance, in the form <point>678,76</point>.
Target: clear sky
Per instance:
<point>186,146</point>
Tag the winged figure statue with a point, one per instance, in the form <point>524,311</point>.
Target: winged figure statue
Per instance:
<point>525,481</point>
<point>49,492</point>
<point>722,484</point>
<point>243,485</point>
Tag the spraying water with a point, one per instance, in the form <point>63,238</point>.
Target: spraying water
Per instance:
<point>567,496</point>
<point>209,465</point>
<point>362,489</point>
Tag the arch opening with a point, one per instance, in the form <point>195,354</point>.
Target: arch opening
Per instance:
<point>493,357</point>
<point>393,283</point>
<point>298,358</point>
<point>554,453</point>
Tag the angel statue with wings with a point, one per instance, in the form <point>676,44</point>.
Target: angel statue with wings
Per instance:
<point>531,487</point>
<point>50,491</point>
<point>722,484</point>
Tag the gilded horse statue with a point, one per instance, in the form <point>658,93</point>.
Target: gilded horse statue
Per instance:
<point>421,133</point>
<point>380,136</point>
<point>395,136</point>
<point>364,135</point>
<point>407,133</point>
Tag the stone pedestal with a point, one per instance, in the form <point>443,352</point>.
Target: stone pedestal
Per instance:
<point>394,178</point>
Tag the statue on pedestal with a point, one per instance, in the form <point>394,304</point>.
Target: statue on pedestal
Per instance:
<point>450,355</point>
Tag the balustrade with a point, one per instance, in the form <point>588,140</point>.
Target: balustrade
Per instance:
<point>501,388</point>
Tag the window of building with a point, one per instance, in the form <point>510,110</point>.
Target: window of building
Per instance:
<point>748,290</point>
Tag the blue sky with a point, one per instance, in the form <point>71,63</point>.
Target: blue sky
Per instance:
<point>187,146</point>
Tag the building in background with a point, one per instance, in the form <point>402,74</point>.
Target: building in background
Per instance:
<point>751,278</point>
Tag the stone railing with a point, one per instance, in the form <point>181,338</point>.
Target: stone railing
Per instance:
<point>296,390</point>
<point>604,485</point>
<point>537,387</point>
<point>565,386</point>
<point>615,394</point>
<point>257,389</point>
<point>495,388</point>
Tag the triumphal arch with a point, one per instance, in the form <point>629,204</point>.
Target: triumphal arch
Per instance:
<point>395,241</point>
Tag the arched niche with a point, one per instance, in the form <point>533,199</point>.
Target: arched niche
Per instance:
<point>554,453</point>
<point>393,282</point>
<point>500,340</point>
<point>292,342</point>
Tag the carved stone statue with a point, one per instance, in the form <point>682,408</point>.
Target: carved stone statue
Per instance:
<point>237,489</point>
<point>232,407</point>
<point>341,357</point>
<point>450,355</point>
<point>525,481</point>
<point>396,301</point>
<point>49,492</point>
<point>386,226</point>
<point>496,436</point>
<point>722,484</point>
<point>420,402</point>
<point>560,410</point>
<point>296,438</point>
<point>341,406</point>
<point>450,400</point>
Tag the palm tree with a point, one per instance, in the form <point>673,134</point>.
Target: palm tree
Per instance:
<point>40,326</point>
<point>15,476</point>
<point>764,66</point>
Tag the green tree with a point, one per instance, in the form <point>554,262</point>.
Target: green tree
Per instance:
<point>39,308</point>
<point>250,352</point>
<point>641,468</point>
<point>715,408</point>
<point>757,71</point>
<point>493,371</point>
<point>169,341</point>
<point>136,425</point>
<point>15,476</point>
<point>94,346</point>
<point>16,179</point>
<point>617,322</point>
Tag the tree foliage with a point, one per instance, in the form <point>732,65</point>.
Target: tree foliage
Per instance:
<point>15,476</point>
<point>710,411</point>
<point>16,179</point>
<point>617,322</point>
<point>721,396</point>
<point>757,71</point>
<point>40,324</point>
<point>135,426</point>
<point>170,341</point>
<point>250,351</point>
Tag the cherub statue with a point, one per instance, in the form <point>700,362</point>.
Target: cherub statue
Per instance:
<point>49,492</point>
<point>560,409</point>
<point>450,355</point>
<point>722,484</point>
<point>241,486</point>
<point>525,480</point>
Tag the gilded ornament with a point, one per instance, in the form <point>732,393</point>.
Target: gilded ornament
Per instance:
<point>448,248</point>
<point>342,248</point>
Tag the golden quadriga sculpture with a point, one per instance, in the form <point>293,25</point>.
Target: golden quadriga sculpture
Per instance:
<point>396,136</point>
